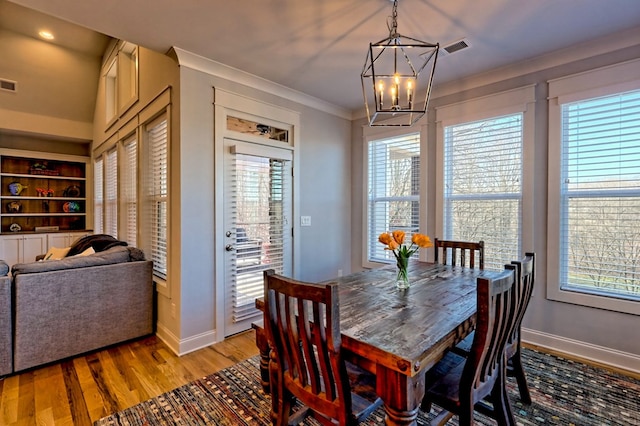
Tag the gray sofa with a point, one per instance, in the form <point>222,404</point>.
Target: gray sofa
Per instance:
<point>6,355</point>
<point>62,308</point>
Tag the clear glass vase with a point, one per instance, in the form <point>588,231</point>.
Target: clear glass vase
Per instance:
<point>402,279</point>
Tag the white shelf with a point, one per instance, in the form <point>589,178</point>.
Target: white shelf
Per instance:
<point>30,176</point>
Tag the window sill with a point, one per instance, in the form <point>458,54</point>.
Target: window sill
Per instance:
<point>592,300</point>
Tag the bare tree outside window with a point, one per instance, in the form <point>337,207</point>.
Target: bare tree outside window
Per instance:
<point>393,190</point>
<point>600,237</point>
<point>483,186</point>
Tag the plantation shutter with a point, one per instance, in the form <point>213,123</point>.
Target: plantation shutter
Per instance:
<point>129,191</point>
<point>600,196</point>
<point>260,207</point>
<point>393,191</point>
<point>111,193</point>
<point>157,194</point>
<point>98,190</point>
<point>483,186</point>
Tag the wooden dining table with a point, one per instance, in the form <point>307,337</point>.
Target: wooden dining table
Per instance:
<point>399,334</point>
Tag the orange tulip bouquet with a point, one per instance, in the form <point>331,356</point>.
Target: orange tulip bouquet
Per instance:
<point>395,242</point>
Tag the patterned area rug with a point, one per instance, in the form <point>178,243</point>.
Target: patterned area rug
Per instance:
<point>563,392</point>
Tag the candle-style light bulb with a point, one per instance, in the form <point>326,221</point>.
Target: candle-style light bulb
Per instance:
<point>396,90</point>
<point>410,93</point>
<point>394,96</point>
<point>381,92</point>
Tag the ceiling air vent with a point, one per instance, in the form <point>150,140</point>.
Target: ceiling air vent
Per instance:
<point>456,46</point>
<point>8,85</point>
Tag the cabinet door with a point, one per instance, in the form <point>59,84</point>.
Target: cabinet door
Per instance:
<point>22,248</point>
<point>33,245</point>
<point>57,240</point>
<point>64,239</point>
<point>11,248</point>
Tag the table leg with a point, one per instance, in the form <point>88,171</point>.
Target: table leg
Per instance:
<point>401,395</point>
<point>263,347</point>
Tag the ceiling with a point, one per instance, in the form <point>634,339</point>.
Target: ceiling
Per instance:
<point>319,46</point>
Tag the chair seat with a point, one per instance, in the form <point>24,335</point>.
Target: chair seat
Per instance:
<point>364,400</point>
<point>442,382</point>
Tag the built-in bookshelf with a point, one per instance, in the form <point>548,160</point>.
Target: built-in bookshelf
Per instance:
<point>42,195</point>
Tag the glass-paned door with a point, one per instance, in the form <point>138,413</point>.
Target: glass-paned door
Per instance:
<point>258,226</point>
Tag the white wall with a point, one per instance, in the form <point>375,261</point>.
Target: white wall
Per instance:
<point>324,194</point>
<point>598,334</point>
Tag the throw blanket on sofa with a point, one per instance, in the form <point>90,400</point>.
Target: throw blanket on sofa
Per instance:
<point>99,242</point>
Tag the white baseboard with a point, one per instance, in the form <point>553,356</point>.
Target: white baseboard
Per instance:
<point>183,347</point>
<point>600,354</point>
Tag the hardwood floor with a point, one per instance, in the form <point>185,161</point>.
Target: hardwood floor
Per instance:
<point>81,390</point>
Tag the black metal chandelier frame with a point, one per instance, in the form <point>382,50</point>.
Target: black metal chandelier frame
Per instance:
<point>390,62</point>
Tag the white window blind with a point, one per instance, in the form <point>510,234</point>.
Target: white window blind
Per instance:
<point>129,193</point>
<point>157,194</point>
<point>600,196</point>
<point>98,190</point>
<point>260,210</point>
<point>111,193</point>
<point>483,185</point>
<point>393,191</point>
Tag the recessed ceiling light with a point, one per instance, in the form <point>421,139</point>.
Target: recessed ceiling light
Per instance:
<point>46,35</point>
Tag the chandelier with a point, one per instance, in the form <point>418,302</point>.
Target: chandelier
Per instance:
<point>397,77</point>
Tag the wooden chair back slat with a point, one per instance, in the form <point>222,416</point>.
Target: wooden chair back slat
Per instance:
<point>303,326</point>
<point>526,267</point>
<point>456,253</point>
<point>495,319</point>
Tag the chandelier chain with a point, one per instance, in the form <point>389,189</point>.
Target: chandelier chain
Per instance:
<point>393,28</point>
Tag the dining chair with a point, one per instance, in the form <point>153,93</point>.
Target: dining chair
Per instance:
<point>459,384</point>
<point>526,268</point>
<point>456,253</point>
<point>302,322</point>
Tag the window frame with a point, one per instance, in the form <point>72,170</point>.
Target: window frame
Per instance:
<point>152,200</point>
<point>98,197</point>
<point>519,100</point>
<point>111,192</point>
<point>128,204</point>
<point>372,134</point>
<point>583,86</point>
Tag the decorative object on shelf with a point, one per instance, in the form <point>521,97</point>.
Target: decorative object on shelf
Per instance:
<point>14,227</point>
<point>15,188</point>
<point>395,242</point>
<point>72,191</point>
<point>42,168</point>
<point>14,207</point>
<point>71,207</point>
<point>44,192</point>
<point>398,74</point>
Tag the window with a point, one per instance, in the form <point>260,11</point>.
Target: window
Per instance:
<point>111,193</point>
<point>600,187</point>
<point>157,192</point>
<point>483,191</point>
<point>484,187</point>
<point>129,193</point>
<point>595,192</point>
<point>393,191</point>
<point>98,190</point>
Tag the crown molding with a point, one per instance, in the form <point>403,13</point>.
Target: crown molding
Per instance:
<point>217,69</point>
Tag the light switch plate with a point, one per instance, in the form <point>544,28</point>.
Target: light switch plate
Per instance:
<point>305,220</point>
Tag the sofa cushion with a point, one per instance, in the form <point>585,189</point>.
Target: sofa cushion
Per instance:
<point>87,252</point>
<point>135,254</point>
<point>56,253</point>
<point>99,242</point>
<point>116,254</point>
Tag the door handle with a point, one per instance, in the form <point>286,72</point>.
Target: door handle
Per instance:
<point>229,247</point>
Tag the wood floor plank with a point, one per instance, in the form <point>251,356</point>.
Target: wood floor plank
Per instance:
<point>81,390</point>
<point>9,400</point>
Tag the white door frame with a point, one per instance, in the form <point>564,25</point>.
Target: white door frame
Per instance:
<point>231,104</point>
